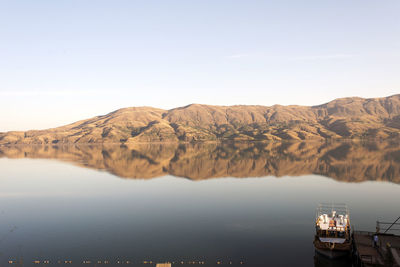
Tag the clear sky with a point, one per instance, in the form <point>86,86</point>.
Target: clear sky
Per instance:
<point>66,60</point>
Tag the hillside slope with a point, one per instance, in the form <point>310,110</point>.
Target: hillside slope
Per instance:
<point>341,118</point>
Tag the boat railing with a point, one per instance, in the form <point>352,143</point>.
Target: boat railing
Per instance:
<point>329,208</point>
<point>333,234</point>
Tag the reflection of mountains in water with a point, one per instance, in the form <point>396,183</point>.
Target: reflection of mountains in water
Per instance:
<point>344,161</point>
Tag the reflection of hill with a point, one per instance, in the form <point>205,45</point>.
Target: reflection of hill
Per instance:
<point>344,161</point>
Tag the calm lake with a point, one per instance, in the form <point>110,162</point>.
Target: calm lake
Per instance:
<point>239,204</point>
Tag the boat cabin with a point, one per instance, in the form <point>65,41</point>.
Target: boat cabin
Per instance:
<point>333,222</point>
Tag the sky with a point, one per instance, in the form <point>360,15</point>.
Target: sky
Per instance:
<point>67,60</point>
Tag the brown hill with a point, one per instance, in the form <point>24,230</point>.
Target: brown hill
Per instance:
<point>343,161</point>
<point>341,118</point>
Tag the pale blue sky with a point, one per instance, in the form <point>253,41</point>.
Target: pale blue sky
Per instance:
<point>61,61</point>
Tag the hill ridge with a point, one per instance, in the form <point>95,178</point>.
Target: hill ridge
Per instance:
<point>350,117</point>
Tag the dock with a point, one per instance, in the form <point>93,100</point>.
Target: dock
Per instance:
<point>385,253</point>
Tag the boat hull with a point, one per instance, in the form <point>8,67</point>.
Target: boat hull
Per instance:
<point>332,250</point>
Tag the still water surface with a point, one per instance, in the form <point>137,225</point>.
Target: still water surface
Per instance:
<point>246,203</point>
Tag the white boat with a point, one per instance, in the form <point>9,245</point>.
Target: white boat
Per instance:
<point>332,230</point>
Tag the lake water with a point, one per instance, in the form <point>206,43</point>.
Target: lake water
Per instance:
<point>242,204</point>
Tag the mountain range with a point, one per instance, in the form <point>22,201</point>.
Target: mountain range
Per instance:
<point>343,118</point>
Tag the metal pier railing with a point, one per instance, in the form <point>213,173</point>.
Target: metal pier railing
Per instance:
<point>387,226</point>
